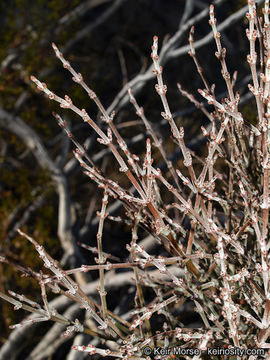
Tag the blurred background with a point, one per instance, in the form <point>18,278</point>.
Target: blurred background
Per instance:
<point>109,43</point>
